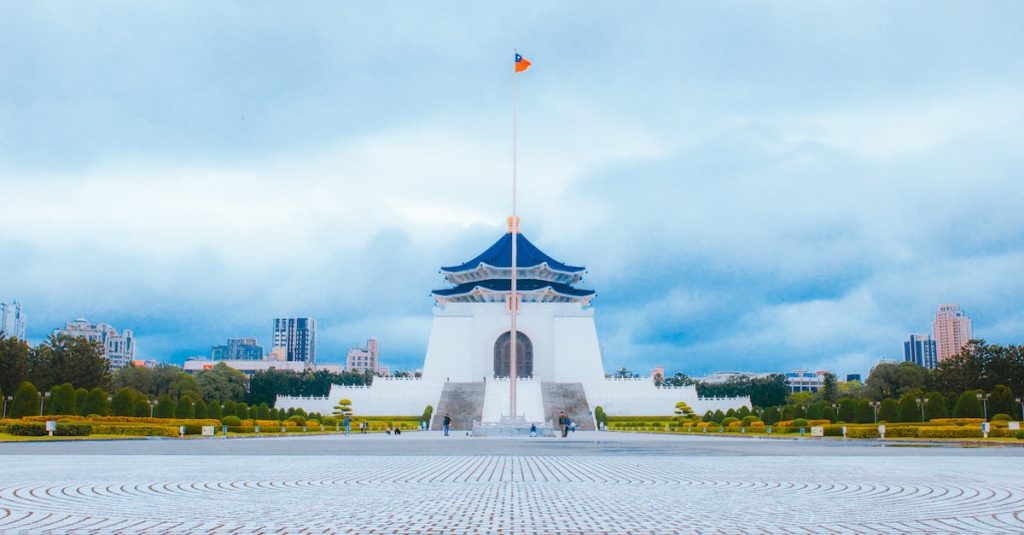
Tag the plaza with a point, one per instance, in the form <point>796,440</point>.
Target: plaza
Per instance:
<point>589,483</point>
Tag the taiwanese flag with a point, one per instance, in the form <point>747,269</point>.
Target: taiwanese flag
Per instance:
<point>522,63</point>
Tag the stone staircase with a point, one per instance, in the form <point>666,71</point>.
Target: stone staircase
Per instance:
<point>569,398</point>
<point>463,401</point>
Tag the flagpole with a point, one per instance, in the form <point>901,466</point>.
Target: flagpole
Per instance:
<point>514,229</point>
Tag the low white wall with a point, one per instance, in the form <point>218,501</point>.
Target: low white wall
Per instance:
<point>385,397</point>
<point>529,400</point>
<point>640,397</point>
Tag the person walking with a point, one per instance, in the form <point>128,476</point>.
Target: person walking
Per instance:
<point>563,423</point>
<point>447,423</point>
<point>348,424</point>
<point>533,430</point>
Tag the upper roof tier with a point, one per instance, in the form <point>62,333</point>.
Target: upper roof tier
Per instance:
<point>496,262</point>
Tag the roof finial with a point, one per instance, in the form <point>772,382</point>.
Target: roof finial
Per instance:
<point>513,224</point>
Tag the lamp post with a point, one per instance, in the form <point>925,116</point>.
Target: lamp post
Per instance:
<point>41,399</point>
<point>875,405</point>
<point>984,404</point>
<point>921,402</point>
<point>152,404</point>
<point>11,398</point>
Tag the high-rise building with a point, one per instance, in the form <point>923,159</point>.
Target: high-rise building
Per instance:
<point>363,359</point>
<point>12,320</point>
<point>238,349</point>
<point>298,338</point>
<point>119,348</point>
<point>921,350</point>
<point>951,329</point>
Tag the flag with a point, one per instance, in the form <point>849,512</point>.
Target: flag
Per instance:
<point>522,63</point>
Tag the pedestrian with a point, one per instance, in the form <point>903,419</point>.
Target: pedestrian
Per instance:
<point>398,430</point>
<point>348,424</point>
<point>362,427</point>
<point>563,424</point>
<point>533,430</point>
<point>568,426</point>
<point>447,423</point>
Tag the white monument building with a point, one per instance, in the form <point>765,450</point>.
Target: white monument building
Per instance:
<point>558,357</point>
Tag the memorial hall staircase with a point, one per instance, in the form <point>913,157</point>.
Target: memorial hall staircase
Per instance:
<point>464,402</point>
<point>569,398</point>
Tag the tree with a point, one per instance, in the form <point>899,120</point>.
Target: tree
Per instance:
<point>814,411</point>
<point>683,411</point>
<point>624,373</point>
<point>201,410</point>
<point>771,415</point>
<point>936,406</point>
<point>889,411</point>
<point>138,378</point>
<point>1001,401</point>
<point>96,403</point>
<point>889,380</point>
<point>221,383</point>
<point>230,409</point>
<point>123,403</point>
<point>14,363</point>
<point>185,408</point>
<point>62,400</point>
<point>829,389</point>
<point>847,410</point>
<point>242,411</point>
<point>25,402</point>
<point>980,365</point>
<point>213,410</point>
<point>907,409</point>
<point>768,391</point>
<point>263,411</point>
<point>865,412</point>
<point>69,359</point>
<point>184,385</point>
<point>343,408</point>
<point>165,407</point>
<point>81,397</point>
<point>967,405</point>
<point>142,409</point>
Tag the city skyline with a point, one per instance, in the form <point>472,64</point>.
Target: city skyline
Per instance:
<point>760,188</point>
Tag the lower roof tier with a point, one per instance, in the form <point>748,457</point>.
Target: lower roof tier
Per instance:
<point>530,290</point>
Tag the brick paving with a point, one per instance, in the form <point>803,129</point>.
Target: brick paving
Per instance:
<point>510,494</point>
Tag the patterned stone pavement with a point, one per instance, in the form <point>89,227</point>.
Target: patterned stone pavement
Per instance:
<point>509,494</point>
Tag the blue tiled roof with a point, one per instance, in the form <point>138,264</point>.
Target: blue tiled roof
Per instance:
<point>505,285</point>
<point>500,255</point>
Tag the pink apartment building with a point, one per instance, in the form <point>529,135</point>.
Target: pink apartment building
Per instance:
<point>951,329</point>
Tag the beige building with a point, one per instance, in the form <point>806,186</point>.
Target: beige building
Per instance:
<point>362,359</point>
<point>951,330</point>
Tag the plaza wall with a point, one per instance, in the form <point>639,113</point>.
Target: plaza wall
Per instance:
<point>387,396</point>
<point>640,397</point>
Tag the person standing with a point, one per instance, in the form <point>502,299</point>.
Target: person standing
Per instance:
<point>563,423</point>
<point>348,424</point>
<point>447,423</point>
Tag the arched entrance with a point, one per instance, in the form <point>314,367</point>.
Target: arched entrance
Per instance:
<point>524,355</point>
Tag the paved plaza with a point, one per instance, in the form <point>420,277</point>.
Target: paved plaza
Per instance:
<point>591,483</point>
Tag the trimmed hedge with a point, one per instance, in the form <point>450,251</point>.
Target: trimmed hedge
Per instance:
<point>950,431</point>
<point>134,430</point>
<point>39,430</point>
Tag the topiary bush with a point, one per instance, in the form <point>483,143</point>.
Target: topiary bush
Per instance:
<point>799,422</point>
<point>1001,417</point>
<point>728,420</point>
<point>748,420</point>
<point>26,430</point>
<point>231,420</point>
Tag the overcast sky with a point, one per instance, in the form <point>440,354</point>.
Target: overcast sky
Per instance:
<point>752,185</point>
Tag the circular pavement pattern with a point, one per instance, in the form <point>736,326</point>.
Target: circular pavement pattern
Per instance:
<point>510,494</point>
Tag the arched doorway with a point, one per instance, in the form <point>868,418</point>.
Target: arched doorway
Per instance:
<point>524,355</point>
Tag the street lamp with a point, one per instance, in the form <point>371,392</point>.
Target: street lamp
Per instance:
<point>875,405</point>
<point>984,403</point>
<point>11,398</point>
<point>921,402</point>
<point>41,399</point>
<point>152,404</point>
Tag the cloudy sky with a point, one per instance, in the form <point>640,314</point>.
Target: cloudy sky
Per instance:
<point>759,186</point>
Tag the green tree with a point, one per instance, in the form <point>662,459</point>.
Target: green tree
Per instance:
<point>14,363</point>
<point>222,383</point>
<point>201,410</point>
<point>343,408</point>
<point>865,412</point>
<point>242,411</point>
<point>165,407</point>
<point>81,397</point>
<point>890,380</point>
<point>69,359</point>
<point>907,409</point>
<point>889,411</point>
<point>138,378</point>
<point>967,405</point>
<point>1000,401</point>
<point>184,385</point>
<point>263,411</point>
<point>213,410</point>
<point>185,409</point>
<point>62,400</point>
<point>829,389</point>
<point>936,406</point>
<point>771,416</point>
<point>230,409</point>
<point>96,403</point>
<point>26,401</point>
<point>123,403</point>
<point>847,410</point>
<point>683,411</point>
<point>142,409</point>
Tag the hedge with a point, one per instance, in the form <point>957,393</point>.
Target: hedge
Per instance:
<point>134,430</point>
<point>950,431</point>
<point>39,430</point>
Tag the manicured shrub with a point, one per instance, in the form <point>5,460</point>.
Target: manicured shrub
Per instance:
<point>213,410</point>
<point>967,405</point>
<point>862,432</point>
<point>96,403</point>
<point>200,409</point>
<point>959,431</point>
<point>134,430</point>
<point>1001,417</point>
<point>865,414</point>
<point>936,406</point>
<point>297,420</point>
<point>888,411</point>
<point>141,408</point>
<point>26,401</point>
<point>231,420</point>
<point>958,421</point>
<point>26,430</point>
<point>799,422</point>
<point>185,409</point>
<point>62,400</point>
<point>748,420</point>
<point>123,403</point>
<point>165,407</point>
<point>728,420</point>
<point>81,396</point>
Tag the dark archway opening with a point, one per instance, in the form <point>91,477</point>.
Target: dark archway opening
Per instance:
<point>524,355</point>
